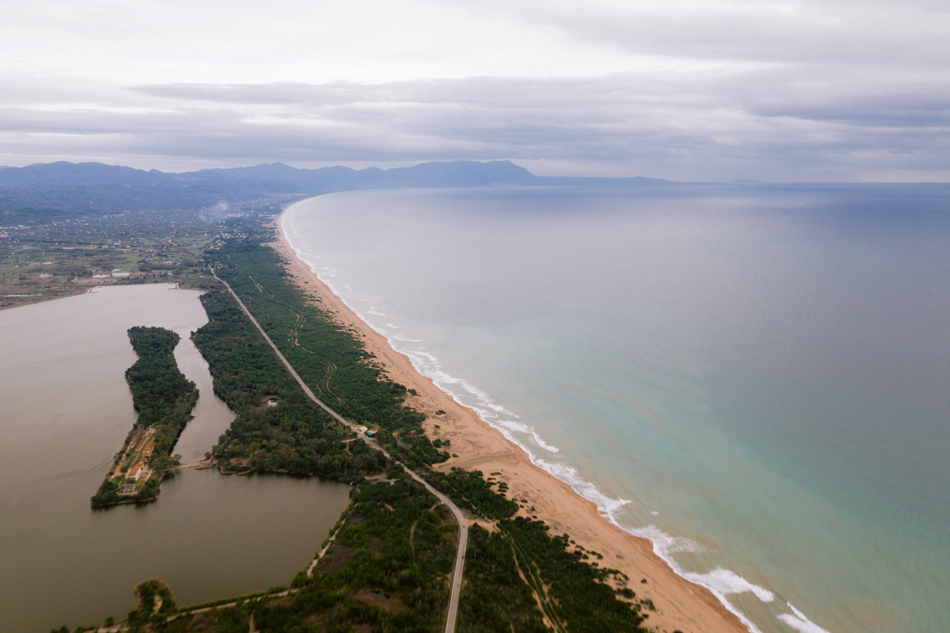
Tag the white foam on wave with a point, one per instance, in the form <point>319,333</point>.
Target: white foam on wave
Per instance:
<point>514,426</point>
<point>729,582</point>
<point>720,582</point>
<point>361,317</point>
<point>475,391</point>
<point>665,544</point>
<point>607,505</point>
<point>543,444</point>
<point>797,620</point>
<point>426,355</point>
<point>528,430</point>
<point>500,409</point>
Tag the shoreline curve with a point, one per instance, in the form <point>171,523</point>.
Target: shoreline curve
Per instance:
<point>680,603</point>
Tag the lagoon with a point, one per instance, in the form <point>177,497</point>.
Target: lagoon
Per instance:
<point>65,409</point>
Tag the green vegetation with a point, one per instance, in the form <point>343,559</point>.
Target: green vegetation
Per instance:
<point>160,392</point>
<point>48,254</point>
<point>579,593</point>
<point>329,358</point>
<point>388,566</point>
<point>469,489</point>
<point>576,595</point>
<point>495,596</point>
<point>60,241</point>
<point>154,604</point>
<point>387,570</point>
<point>296,436</point>
<point>511,570</point>
<point>234,619</point>
<point>164,399</point>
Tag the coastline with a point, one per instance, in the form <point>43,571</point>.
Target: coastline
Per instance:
<point>680,604</point>
<point>79,290</point>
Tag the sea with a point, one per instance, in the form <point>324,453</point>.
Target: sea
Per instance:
<point>754,377</point>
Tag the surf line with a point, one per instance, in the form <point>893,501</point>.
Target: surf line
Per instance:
<point>720,582</point>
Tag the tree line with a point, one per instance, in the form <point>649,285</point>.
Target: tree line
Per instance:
<point>330,358</point>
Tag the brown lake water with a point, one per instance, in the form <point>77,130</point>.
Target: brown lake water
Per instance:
<point>65,410</point>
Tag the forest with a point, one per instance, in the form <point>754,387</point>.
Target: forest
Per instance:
<point>387,563</point>
<point>386,570</point>
<point>295,436</point>
<point>519,564</point>
<point>164,399</point>
<point>329,358</point>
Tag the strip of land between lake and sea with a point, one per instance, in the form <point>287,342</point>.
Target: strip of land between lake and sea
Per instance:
<point>475,445</point>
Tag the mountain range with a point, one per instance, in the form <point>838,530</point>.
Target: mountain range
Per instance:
<point>281,178</point>
<point>66,189</point>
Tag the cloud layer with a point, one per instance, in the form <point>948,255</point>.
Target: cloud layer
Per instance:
<point>679,90</point>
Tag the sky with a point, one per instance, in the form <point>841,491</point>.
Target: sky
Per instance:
<point>714,90</point>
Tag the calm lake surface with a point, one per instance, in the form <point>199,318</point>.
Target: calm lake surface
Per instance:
<point>65,410</point>
<point>755,377</point>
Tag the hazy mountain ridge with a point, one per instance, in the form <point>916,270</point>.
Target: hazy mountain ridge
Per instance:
<point>281,178</point>
<point>71,188</point>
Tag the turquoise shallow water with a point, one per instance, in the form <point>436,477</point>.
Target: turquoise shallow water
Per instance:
<point>755,377</point>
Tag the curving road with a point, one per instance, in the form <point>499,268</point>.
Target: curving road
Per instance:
<point>372,443</point>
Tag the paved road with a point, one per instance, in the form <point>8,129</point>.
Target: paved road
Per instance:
<point>372,443</point>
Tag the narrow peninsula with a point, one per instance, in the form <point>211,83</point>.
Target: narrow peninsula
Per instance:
<point>164,399</point>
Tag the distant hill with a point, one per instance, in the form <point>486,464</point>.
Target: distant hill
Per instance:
<point>455,174</point>
<point>64,187</point>
<point>63,174</point>
<point>280,178</point>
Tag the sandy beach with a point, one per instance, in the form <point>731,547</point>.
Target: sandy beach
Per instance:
<point>680,604</point>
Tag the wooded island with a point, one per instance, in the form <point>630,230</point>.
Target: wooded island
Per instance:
<point>164,399</point>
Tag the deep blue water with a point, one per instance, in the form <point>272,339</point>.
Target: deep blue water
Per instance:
<point>754,376</point>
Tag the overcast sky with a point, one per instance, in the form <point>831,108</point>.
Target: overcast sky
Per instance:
<point>686,90</point>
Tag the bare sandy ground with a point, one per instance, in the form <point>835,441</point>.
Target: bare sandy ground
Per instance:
<point>680,604</point>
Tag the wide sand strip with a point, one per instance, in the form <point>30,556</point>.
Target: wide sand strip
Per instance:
<point>680,604</point>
